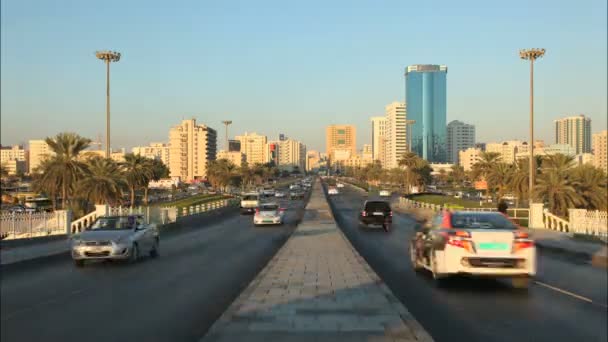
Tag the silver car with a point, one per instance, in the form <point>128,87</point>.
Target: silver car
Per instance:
<point>268,213</point>
<point>116,238</point>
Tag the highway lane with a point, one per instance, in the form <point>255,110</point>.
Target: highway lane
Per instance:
<point>174,298</point>
<point>480,310</point>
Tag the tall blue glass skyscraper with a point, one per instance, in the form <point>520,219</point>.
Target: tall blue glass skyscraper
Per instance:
<point>425,94</point>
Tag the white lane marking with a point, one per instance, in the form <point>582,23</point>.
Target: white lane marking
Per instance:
<point>585,299</point>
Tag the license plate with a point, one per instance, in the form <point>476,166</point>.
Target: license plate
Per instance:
<point>267,221</point>
<point>493,246</point>
<point>378,213</point>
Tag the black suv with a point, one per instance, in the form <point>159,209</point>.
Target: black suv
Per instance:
<point>376,213</point>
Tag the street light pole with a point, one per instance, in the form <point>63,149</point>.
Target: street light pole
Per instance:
<point>531,55</point>
<point>107,57</point>
<point>226,123</point>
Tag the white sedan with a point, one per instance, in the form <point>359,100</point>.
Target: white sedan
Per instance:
<point>340,185</point>
<point>483,244</point>
<point>268,214</point>
<point>332,191</point>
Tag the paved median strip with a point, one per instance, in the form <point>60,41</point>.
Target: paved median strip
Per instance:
<point>317,287</point>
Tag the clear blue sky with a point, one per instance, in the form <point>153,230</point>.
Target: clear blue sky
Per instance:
<point>292,67</point>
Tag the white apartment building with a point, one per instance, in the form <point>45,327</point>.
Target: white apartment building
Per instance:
<point>191,147</point>
<point>312,160</point>
<point>600,150</point>
<point>254,146</point>
<point>158,151</point>
<point>574,131</point>
<point>396,141</point>
<point>378,137</point>
<point>469,157</point>
<point>460,136</point>
<point>292,153</point>
<point>584,158</point>
<point>39,150</point>
<point>236,158</point>
<point>508,150</point>
<point>14,152</point>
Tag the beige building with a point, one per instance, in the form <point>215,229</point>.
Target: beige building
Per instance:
<point>378,137</point>
<point>508,150</point>
<point>341,142</point>
<point>574,131</point>
<point>158,151</point>
<point>367,153</point>
<point>236,158</point>
<point>356,161</point>
<point>191,147</point>
<point>14,152</point>
<point>396,140</point>
<point>469,157</point>
<point>14,166</point>
<point>291,153</point>
<point>117,156</point>
<point>254,146</point>
<point>39,150</point>
<point>312,160</point>
<point>600,150</point>
<point>584,158</point>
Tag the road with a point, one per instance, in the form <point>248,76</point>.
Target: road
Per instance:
<point>176,297</point>
<point>482,310</point>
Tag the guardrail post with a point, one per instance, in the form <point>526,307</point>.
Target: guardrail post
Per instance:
<point>535,216</point>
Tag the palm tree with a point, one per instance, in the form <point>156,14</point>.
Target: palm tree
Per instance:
<point>519,182</point>
<point>484,166</point>
<point>499,178</point>
<point>159,171</point>
<point>558,162</point>
<point>219,172</point>
<point>103,181</point>
<point>556,189</point>
<point>137,172</point>
<point>409,159</point>
<point>590,185</point>
<point>64,170</point>
<point>457,175</point>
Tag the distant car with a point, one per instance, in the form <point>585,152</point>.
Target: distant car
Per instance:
<point>268,214</point>
<point>340,185</point>
<point>117,238</point>
<point>376,213</point>
<point>485,244</point>
<point>332,191</point>
<point>279,194</point>
<point>293,186</point>
<point>296,194</point>
<point>249,201</point>
<point>385,193</point>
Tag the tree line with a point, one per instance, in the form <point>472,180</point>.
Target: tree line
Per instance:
<point>560,183</point>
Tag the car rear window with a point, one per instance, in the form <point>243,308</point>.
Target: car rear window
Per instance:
<point>250,198</point>
<point>481,221</point>
<point>269,207</point>
<point>377,206</point>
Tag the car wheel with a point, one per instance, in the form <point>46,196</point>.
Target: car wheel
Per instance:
<point>414,258</point>
<point>155,252</point>
<point>79,263</point>
<point>134,253</point>
<point>522,283</point>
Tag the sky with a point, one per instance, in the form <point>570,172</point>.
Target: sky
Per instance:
<point>293,67</point>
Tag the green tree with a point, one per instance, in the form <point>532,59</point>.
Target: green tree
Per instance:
<point>63,170</point>
<point>555,189</point>
<point>103,181</point>
<point>219,173</point>
<point>590,185</point>
<point>158,171</point>
<point>519,183</point>
<point>457,175</point>
<point>487,161</point>
<point>499,178</point>
<point>137,172</point>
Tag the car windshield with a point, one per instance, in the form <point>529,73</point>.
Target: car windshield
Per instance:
<point>481,221</point>
<point>250,198</point>
<point>269,207</point>
<point>377,206</point>
<point>114,223</point>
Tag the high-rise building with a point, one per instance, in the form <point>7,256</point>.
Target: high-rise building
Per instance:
<point>235,157</point>
<point>396,142</point>
<point>425,96</point>
<point>481,146</point>
<point>341,142</point>
<point>292,154</point>
<point>158,151</point>
<point>13,159</point>
<point>312,160</point>
<point>574,131</point>
<point>254,147</point>
<point>600,150</point>
<point>191,147</point>
<point>234,146</point>
<point>469,157</point>
<point>378,137</point>
<point>460,136</point>
<point>39,150</point>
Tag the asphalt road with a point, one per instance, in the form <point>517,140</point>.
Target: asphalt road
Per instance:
<point>176,297</point>
<point>554,309</point>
